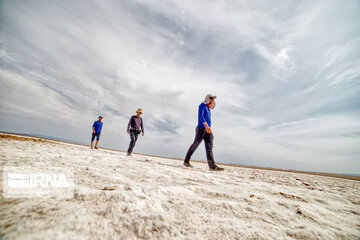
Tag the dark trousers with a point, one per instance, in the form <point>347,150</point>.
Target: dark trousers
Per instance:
<point>133,138</point>
<point>97,135</point>
<point>208,138</point>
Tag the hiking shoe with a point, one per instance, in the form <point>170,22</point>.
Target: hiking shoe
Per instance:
<point>216,168</point>
<point>186,164</point>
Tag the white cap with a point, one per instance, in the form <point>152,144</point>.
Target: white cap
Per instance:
<point>207,100</point>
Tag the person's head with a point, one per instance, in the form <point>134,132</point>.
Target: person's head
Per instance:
<point>139,112</point>
<point>100,118</point>
<point>210,100</point>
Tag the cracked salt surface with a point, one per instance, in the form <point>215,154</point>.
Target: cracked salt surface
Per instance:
<point>119,197</point>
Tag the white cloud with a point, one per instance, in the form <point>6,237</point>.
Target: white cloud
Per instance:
<point>63,63</point>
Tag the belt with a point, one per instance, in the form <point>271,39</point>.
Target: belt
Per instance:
<point>135,129</point>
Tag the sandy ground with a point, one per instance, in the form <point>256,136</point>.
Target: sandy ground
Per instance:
<point>142,197</point>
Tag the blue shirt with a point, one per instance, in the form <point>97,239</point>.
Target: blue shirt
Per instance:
<point>97,125</point>
<point>204,115</point>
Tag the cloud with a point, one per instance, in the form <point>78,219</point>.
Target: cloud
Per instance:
<point>285,75</point>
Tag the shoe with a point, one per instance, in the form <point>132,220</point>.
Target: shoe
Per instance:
<point>91,148</point>
<point>186,164</point>
<point>216,168</point>
<point>96,147</point>
<point>129,154</point>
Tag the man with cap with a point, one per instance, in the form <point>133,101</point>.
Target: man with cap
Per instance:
<point>96,132</point>
<point>133,128</point>
<point>203,132</point>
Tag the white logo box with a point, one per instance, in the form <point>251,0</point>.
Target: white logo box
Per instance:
<point>38,182</point>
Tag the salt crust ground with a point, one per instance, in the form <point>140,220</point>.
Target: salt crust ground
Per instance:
<point>141,197</point>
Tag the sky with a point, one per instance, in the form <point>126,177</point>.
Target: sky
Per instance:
<point>286,75</point>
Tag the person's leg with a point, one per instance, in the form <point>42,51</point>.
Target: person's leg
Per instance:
<point>136,137</point>
<point>199,136</point>
<point>92,140</point>
<point>132,142</point>
<point>97,139</point>
<point>208,139</point>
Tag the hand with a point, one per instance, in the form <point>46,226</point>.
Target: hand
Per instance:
<point>128,132</point>
<point>208,129</point>
<point>143,134</point>
<point>93,131</point>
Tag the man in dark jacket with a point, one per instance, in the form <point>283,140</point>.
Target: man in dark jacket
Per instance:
<point>203,132</point>
<point>96,132</point>
<point>133,128</point>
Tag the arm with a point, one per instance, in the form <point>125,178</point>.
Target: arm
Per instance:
<point>93,127</point>
<point>201,113</point>
<point>208,129</point>
<point>142,127</point>
<point>128,127</point>
<point>101,127</point>
<point>202,118</point>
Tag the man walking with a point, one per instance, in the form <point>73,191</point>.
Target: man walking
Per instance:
<point>96,132</point>
<point>203,132</point>
<point>133,128</point>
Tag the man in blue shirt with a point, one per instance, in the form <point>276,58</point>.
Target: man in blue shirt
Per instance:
<point>203,132</point>
<point>96,132</point>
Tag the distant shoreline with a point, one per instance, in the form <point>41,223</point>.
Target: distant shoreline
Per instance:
<point>23,136</point>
